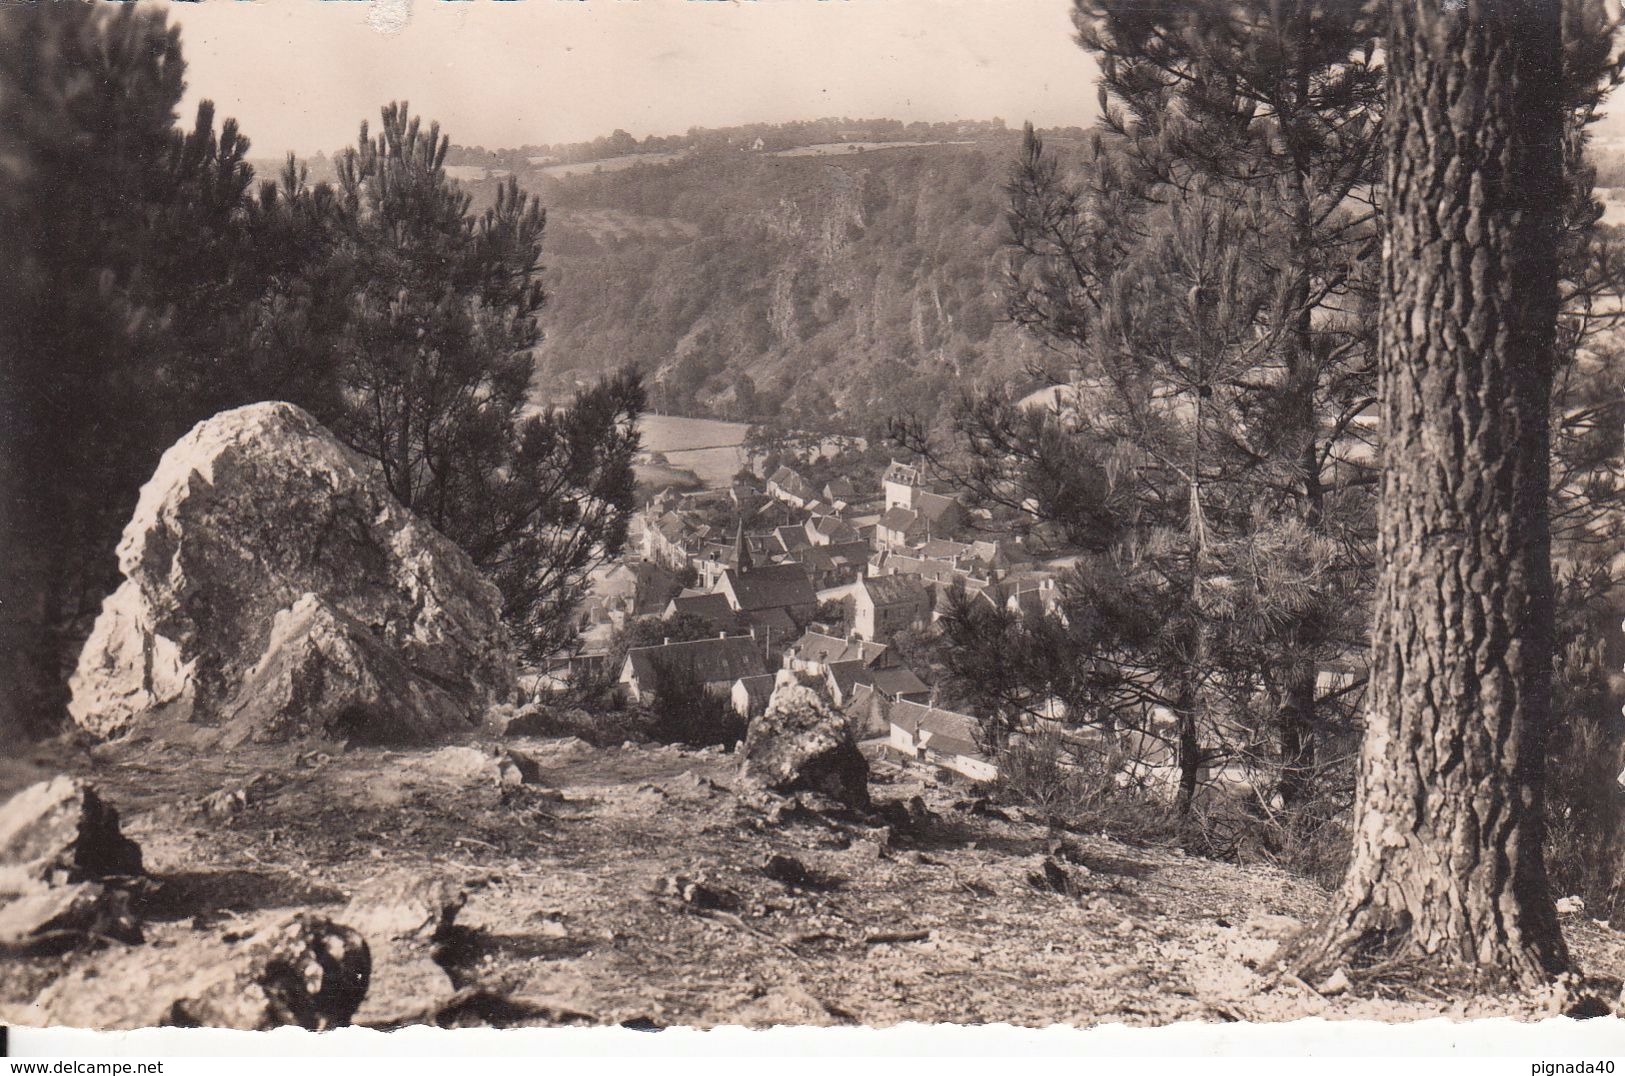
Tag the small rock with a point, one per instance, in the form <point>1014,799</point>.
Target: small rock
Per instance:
<point>307,971</point>
<point>700,894</point>
<point>1336,983</point>
<point>1278,927</point>
<point>500,766</point>
<point>693,785</point>
<point>1052,877</point>
<point>62,828</point>
<point>787,869</point>
<point>870,850</point>
<point>516,768</point>
<point>1571,906</point>
<point>530,719</point>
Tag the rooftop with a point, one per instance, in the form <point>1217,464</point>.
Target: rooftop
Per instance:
<point>899,519</point>
<point>711,660</point>
<point>770,586</point>
<point>712,608</point>
<point>893,589</point>
<point>944,730</point>
<point>826,649</point>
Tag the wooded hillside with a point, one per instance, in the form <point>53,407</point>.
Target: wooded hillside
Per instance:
<point>828,284</point>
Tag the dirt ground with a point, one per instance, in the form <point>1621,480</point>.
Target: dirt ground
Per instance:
<point>577,910</point>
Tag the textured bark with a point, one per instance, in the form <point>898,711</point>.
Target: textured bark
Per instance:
<point>1447,861</point>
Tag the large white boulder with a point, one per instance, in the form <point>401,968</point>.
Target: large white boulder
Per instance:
<point>273,586</point>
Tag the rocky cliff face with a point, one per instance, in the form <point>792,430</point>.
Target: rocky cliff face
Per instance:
<point>272,585</point>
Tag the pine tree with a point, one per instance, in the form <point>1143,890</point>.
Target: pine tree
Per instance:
<point>126,277</point>
<point>1448,863</point>
<point>1274,107</point>
<point>435,370</point>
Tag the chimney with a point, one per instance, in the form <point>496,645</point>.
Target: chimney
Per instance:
<point>722,635</point>
<point>666,641</point>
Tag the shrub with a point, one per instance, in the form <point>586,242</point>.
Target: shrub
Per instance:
<point>683,711</point>
<point>1077,786</point>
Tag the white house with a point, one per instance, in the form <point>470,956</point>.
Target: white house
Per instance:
<point>939,737</point>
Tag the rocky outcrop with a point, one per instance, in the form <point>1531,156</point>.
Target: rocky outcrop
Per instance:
<point>800,745</point>
<point>273,586</point>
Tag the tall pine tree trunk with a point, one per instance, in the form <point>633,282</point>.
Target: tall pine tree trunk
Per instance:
<point>1447,860</point>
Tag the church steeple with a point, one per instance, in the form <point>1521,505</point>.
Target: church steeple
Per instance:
<point>742,562</point>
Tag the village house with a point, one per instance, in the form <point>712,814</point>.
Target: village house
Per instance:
<point>773,600</point>
<point>974,590</point>
<point>750,695</point>
<point>833,565</point>
<point>900,528</point>
<point>663,540</point>
<point>820,566</point>
<point>830,530</point>
<point>792,538</point>
<point>939,737</point>
<point>716,663</point>
<point>716,557</point>
<point>815,651</point>
<point>885,605</point>
<point>714,609</point>
<point>772,514</point>
<point>634,588</point>
<point>788,486</point>
<point>840,493</point>
<point>999,555</point>
<point>947,549</point>
<point>563,671</point>
<point>892,684</point>
<point>896,562</point>
<point>901,483</point>
<point>751,588</point>
<point>1033,596</point>
<point>942,514</point>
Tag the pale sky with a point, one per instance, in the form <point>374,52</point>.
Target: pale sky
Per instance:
<point>301,74</point>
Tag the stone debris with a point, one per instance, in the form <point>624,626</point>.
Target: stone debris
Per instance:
<point>227,803</point>
<point>274,586</point>
<point>1336,983</point>
<point>61,856</point>
<point>787,869</point>
<point>406,907</point>
<point>700,893</point>
<point>499,766</point>
<point>1054,877</point>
